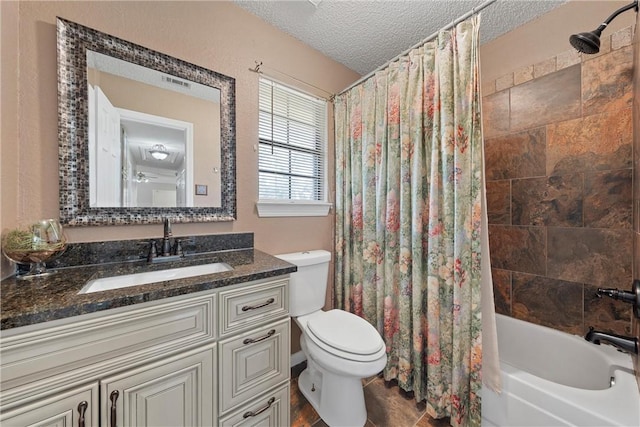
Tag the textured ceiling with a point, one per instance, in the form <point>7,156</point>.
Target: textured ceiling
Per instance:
<point>364,35</point>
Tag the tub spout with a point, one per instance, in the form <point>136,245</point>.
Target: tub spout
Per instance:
<point>627,344</point>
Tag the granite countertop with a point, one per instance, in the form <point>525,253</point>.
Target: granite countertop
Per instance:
<point>30,301</point>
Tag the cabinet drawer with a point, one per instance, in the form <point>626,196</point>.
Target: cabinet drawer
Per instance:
<point>86,348</point>
<point>271,409</point>
<point>252,363</point>
<point>248,306</point>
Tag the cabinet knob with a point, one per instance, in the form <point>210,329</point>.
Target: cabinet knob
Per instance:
<point>267,406</point>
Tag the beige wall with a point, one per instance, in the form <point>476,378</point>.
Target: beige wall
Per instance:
<point>215,35</point>
<point>8,121</point>
<point>221,37</point>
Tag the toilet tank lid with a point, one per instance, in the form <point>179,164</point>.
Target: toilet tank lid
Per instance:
<point>301,259</point>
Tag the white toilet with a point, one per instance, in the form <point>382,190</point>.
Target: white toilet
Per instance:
<point>341,348</point>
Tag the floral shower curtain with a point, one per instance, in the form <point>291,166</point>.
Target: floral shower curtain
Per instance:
<point>408,209</point>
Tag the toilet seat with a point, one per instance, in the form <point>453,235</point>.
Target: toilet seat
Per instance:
<point>345,335</point>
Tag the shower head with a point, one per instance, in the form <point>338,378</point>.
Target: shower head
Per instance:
<point>586,42</point>
<point>589,43</point>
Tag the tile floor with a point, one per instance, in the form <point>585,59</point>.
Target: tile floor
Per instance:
<point>387,406</point>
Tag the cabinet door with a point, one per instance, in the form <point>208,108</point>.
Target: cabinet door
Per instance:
<point>177,391</point>
<point>252,363</point>
<point>270,409</point>
<point>73,408</point>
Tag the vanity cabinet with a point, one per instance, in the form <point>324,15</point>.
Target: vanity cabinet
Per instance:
<point>218,357</point>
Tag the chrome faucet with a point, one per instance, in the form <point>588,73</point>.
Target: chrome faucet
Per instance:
<point>168,253</point>
<point>626,344</point>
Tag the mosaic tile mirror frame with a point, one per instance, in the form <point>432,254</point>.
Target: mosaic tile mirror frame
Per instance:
<point>73,41</point>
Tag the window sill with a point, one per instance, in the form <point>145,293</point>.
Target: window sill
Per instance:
<point>282,208</point>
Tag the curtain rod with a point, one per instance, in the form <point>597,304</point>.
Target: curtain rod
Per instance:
<point>257,70</point>
<point>455,22</point>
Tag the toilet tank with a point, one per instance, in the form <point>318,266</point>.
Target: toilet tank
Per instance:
<point>308,285</point>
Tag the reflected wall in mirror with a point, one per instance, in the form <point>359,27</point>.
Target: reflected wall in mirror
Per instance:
<point>138,131</point>
<point>158,133</point>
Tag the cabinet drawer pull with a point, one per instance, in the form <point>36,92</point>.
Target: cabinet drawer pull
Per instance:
<point>82,409</point>
<point>253,340</point>
<point>254,307</point>
<point>253,414</point>
<point>114,398</point>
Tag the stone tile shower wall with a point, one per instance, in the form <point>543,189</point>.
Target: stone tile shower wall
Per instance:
<point>636,177</point>
<point>559,165</point>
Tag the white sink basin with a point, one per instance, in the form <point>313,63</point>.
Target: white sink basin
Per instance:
<point>128,280</point>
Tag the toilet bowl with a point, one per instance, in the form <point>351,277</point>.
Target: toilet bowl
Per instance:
<point>341,348</point>
<point>343,342</point>
<point>332,381</point>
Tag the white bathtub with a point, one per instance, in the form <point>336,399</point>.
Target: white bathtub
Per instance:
<point>551,378</point>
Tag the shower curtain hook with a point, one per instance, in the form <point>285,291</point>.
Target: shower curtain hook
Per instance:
<point>256,69</point>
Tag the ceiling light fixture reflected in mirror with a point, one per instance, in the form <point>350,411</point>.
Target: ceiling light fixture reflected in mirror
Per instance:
<point>159,152</point>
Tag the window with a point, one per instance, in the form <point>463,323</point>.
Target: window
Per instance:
<point>292,152</point>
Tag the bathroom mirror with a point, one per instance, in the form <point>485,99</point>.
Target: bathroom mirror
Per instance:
<point>142,135</point>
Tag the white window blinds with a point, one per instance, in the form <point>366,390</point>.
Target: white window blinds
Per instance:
<point>293,144</point>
